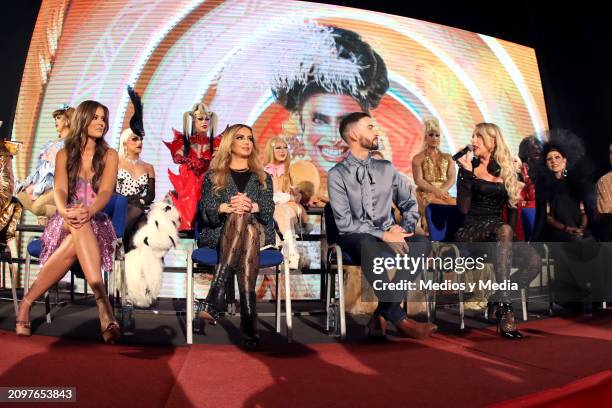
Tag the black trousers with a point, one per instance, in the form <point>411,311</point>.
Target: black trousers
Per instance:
<point>352,245</point>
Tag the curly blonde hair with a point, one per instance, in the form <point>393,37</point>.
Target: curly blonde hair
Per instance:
<point>220,164</point>
<point>502,155</point>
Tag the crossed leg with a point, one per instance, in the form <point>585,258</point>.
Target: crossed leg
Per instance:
<point>81,244</point>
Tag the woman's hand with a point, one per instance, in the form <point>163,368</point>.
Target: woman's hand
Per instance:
<point>438,192</point>
<point>465,162</point>
<point>84,215</point>
<point>575,231</point>
<point>241,203</point>
<point>75,214</point>
<point>225,208</point>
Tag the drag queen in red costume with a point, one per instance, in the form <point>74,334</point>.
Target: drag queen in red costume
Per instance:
<point>192,151</point>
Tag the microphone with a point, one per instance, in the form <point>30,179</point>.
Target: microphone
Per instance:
<point>462,152</point>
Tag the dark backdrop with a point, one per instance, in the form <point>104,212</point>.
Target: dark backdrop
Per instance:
<point>572,42</point>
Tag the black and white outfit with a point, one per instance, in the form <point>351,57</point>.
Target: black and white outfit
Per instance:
<point>140,193</point>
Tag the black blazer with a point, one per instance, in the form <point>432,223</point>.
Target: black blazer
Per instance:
<point>211,222</point>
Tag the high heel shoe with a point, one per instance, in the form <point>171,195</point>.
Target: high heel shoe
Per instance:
<point>491,311</point>
<point>377,327</point>
<point>208,310</point>
<point>111,333</point>
<point>22,327</point>
<point>207,313</point>
<point>506,323</point>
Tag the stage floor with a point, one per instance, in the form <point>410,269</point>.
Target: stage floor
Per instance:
<point>79,321</point>
<point>472,368</point>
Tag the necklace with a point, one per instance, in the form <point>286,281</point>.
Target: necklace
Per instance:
<point>240,170</point>
<point>134,161</point>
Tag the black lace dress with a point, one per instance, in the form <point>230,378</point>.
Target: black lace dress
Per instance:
<point>483,202</point>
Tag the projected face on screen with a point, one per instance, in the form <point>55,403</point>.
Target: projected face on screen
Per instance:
<point>337,73</point>
<point>320,119</point>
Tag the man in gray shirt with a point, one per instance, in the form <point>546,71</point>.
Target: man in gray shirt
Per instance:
<point>361,193</point>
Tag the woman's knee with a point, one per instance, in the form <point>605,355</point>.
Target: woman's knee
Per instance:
<point>79,233</point>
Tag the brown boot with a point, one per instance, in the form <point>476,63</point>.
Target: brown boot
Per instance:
<point>377,327</point>
<point>410,328</point>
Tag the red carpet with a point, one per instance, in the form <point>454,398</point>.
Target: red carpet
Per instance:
<point>593,391</point>
<point>551,365</point>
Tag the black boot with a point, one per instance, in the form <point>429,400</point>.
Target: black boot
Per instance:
<point>248,320</point>
<point>506,323</point>
<point>209,309</point>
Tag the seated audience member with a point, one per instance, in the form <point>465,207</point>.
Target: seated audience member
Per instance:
<point>80,230</point>
<point>36,192</point>
<point>236,207</point>
<point>135,178</point>
<point>604,203</point>
<point>563,194</point>
<point>10,209</point>
<point>529,153</point>
<point>361,192</point>
<point>287,211</point>
<point>527,198</point>
<point>433,171</point>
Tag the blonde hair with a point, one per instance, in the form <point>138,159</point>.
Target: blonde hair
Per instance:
<point>503,157</point>
<point>431,125</point>
<point>221,162</point>
<point>285,179</point>
<point>125,135</point>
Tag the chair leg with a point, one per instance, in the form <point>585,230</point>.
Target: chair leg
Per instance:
<point>461,311</point>
<point>13,273</point>
<point>461,308</point>
<point>288,312</point>
<point>342,316</point>
<point>28,261</point>
<point>551,293</point>
<point>71,287</point>
<point>47,307</point>
<point>524,303</point>
<point>278,300</point>
<point>327,298</point>
<point>189,298</point>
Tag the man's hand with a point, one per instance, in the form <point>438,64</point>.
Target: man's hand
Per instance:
<point>395,236</point>
<point>396,228</point>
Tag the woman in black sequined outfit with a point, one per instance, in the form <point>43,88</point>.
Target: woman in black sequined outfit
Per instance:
<point>485,186</point>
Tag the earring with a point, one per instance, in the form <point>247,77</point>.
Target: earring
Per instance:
<point>564,172</point>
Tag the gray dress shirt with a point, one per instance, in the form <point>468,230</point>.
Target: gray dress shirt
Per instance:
<point>361,193</point>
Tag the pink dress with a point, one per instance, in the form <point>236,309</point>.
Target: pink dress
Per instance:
<point>102,227</point>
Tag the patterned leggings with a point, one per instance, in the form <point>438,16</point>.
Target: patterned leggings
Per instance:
<point>238,255</point>
<point>525,256</point>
